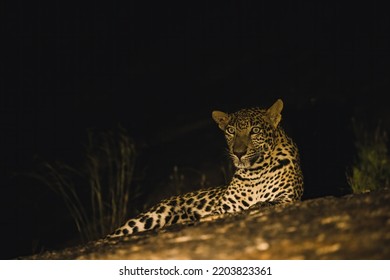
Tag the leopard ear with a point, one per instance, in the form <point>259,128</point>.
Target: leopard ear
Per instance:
<point>221,118</point>
<point>273,113</point>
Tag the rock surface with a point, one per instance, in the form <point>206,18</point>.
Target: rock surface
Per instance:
<point>350,227</point>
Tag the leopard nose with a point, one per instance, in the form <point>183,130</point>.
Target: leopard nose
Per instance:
<point>239,154</point>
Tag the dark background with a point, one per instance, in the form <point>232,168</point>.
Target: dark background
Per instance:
<point>159,69</point>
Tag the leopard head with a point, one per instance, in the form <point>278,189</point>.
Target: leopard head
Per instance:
<point>250,133</point>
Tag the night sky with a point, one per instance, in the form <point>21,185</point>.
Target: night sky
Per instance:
<point>158,69</point>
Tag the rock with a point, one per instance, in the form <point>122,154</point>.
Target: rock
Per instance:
<point>350,227</point>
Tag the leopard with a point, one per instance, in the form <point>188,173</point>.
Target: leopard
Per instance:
<point>267,171</point>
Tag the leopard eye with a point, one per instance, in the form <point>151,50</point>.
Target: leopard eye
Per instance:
<point>255,130</point>
<point>230,130</point>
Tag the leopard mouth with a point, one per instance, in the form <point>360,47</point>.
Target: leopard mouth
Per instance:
<point>248,161</point>
<point>245,162</point>
<point>240,164</point>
